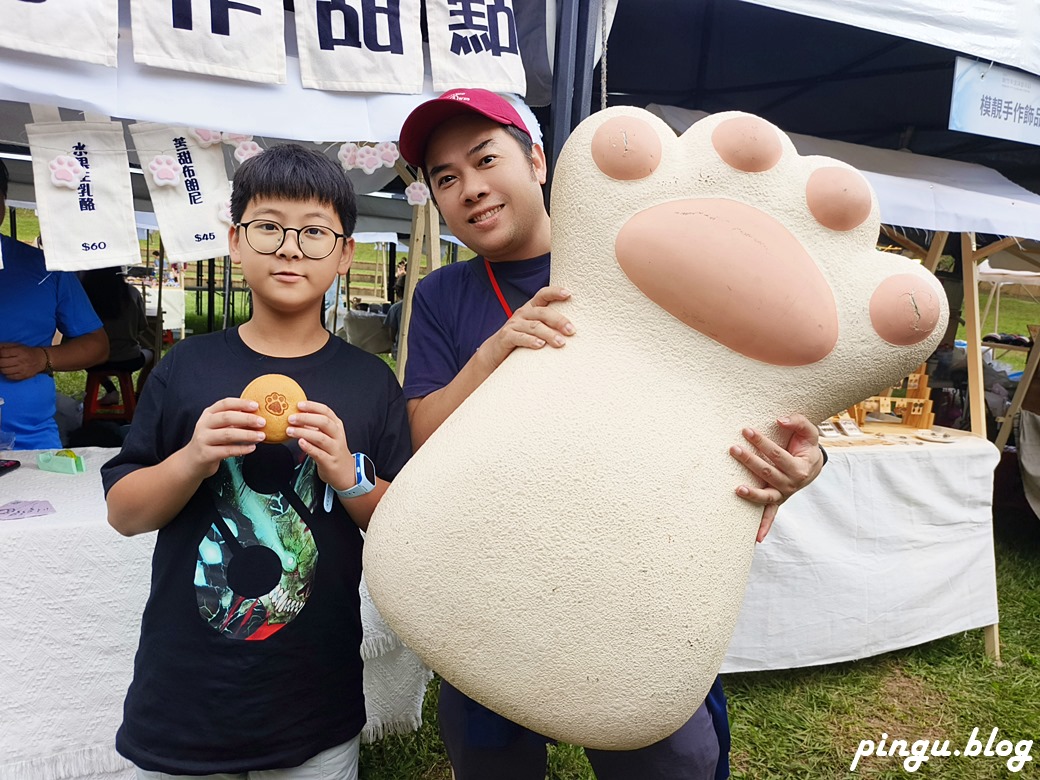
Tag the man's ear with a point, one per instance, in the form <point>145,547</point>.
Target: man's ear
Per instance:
<point>541,168</point>
<point>347,257</point>
<point>233,239</point>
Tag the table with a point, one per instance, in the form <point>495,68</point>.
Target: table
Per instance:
<point>890,547</point>
<point>74,592</point>
<point>363,329</point>
<point>172,306</point>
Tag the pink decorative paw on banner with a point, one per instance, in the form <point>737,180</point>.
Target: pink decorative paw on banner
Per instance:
<point>165,171</point>
<point>234,139</point>
<point>224,212</point>
<point>387,151</point>
<point>368,159</point>
<point>205,138</point>
<point>348,156</point>
<point>417,193</point>
<point>66,171</point>
<point>247,149</point>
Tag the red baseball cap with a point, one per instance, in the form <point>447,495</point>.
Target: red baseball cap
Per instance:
<point>426,118</point>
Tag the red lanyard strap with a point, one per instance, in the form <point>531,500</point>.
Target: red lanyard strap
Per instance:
<point>498,290</point>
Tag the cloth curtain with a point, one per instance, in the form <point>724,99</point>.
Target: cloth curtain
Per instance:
<point>83,196</point>
<point>475,43</point>
<point>188,185</point>
<point>239,40</point>
<point>85,30</point>
<point>360,46</point>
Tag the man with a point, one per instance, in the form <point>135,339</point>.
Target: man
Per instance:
<point>36,303</point>
<point>486,175</point>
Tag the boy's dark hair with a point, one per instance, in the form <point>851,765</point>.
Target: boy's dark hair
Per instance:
<point>3,180</point>
<point>292,172</point>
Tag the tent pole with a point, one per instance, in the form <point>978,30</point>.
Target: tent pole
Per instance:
<point>572,74</point>
<point>976,398</point>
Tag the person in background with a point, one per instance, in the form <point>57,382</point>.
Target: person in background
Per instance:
<point>486,176</point>
<point>121,309</point>
<point>400,279</point>
<point>34,304</point>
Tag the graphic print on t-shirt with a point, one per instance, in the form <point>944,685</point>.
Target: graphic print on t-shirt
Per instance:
<point>256,563</point>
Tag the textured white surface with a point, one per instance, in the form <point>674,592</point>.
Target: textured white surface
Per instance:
<point>567,548</point>
<point>74,591</point>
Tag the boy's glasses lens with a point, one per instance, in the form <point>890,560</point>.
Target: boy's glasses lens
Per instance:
<point>316,241</point>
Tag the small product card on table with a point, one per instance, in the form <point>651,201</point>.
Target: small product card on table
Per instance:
<point>17,510</point>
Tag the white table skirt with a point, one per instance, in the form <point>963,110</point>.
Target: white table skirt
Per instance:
<point>890,547</point>
<point>74,593</point>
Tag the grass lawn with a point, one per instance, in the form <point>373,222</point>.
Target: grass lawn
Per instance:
<point>807,723</point>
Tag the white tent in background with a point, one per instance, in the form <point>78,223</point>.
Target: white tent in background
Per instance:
<point>914,190</point>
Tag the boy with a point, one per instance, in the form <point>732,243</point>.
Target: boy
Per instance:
<point>249,653</point>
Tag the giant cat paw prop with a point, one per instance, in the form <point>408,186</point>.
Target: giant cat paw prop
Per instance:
<point>567,548</point>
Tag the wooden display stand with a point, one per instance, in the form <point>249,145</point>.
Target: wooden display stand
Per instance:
<point>914,408</point>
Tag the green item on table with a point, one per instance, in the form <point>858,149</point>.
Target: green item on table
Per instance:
<point>62,462</point>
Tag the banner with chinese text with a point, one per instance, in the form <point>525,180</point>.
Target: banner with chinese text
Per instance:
<point>85,30</point>
<point>996,102</point>
<point>360,45</point>
<point>239,40</point>
<point>475,43</point>
<point>82,180</point>
<point>188,185</point>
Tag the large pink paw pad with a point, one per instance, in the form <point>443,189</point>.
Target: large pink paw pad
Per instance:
<point>750,284</point>
<point>626,148</point>
<point>747,143</point>
<point>904,310</point>
<point>838,198</point>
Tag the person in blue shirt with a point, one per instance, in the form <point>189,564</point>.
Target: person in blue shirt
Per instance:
<point>36,303</point>
<point>486,175</point>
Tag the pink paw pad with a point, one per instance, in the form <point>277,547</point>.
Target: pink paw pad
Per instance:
<point>839,198</point>
<point>747,143</point>
<point>904,310</point>
<point>626,148</point>
<point>66,171</point>
<point>165,172</point>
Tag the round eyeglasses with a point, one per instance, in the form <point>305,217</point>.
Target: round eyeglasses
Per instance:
<point>266,237</point>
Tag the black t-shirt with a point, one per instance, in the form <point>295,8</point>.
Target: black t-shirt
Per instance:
<point>249,656</point>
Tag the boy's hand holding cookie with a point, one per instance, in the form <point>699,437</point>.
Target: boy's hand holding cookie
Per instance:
<point>322,436</point>
<point>228,428</point>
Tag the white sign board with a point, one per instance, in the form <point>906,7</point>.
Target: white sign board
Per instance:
<point>996,102</point>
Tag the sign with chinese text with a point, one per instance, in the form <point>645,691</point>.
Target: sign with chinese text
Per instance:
<point>360,45</point>
<point>996,102</point>
<point>475,43</point>
<point>85,30</point>
<point>82,177</point>
<point>239,40</point>
<point>189,189</point>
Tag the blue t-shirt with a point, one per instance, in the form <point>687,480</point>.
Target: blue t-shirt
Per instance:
<point>35,303</point>
<point>454,310</point>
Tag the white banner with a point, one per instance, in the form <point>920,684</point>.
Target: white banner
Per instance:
<point>996,102</point>
<point>239,40</point>
<point>360,45</point>
<point>475,43</point>
<point>86,30</point>
<point>82,179</point>
<point>188,185</point>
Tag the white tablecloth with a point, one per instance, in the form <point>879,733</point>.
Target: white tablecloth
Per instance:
<point>172,306</point>
<point>890,547</point>
<point>74,591</point>
<point>362,329</point>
